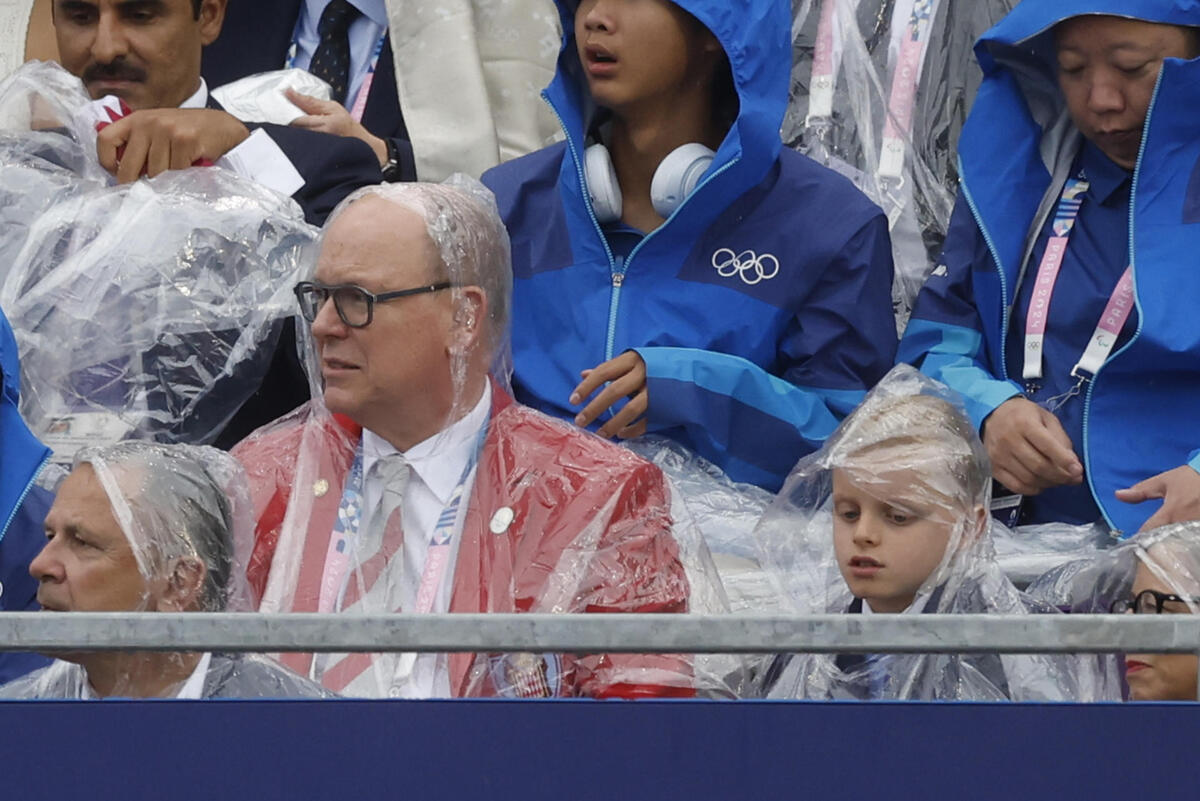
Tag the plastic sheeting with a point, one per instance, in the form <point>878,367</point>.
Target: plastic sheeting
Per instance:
<point>170,293</point>
<point>261,98</point>
<point>533,515</point>
<point>172,527</point>
<point>880,91</point>
<point>1152,571</point>
<point>890,516</point>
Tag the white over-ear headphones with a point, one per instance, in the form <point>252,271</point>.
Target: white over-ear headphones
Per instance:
<point>673,181</point>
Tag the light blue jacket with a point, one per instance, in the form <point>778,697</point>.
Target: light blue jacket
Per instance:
<point>752,374</point>
<point>1142,408</point>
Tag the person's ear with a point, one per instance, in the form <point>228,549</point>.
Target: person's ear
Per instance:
<point>212,17</point>
<point>185,586</point>
<point>470,318</point>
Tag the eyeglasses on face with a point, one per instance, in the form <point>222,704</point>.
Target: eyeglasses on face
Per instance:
<point>355,306</point>
<point>1153,602</point>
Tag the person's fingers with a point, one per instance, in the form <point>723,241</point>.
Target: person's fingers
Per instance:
<point>309,122</point>
<point>158,156</point>
<point>1054,443</point>
<point>309,104</point>
<point>108,143</point>
<point>1153,487</point>
<point>133,160</point>
<point>628,415</point>
<point>634,431</point>
<point>1016,479</point>
<point>615,391</point>
<point>595,376</point>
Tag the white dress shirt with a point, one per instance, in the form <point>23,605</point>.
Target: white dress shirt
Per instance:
<point>437,464</point>
<point>365,34</point>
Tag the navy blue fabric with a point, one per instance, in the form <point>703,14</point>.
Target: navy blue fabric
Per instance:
<point>332,166</point>
<point>255,38</point>
<point>23,506</point>
<point>1138,414</point>
<point>818,330</point>
<point>18,589</point>
<point>1096,257</point>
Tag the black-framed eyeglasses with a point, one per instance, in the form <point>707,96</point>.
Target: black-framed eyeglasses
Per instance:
<point>1152,602</point>
<point>355,305</point>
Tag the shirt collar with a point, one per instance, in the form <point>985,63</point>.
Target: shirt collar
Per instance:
<point>441,459</point>
<point>199,99</point>
<point>1104,175</point>
<point>374,10</point>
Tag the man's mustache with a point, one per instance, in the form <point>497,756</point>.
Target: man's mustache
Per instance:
<point>116,71</point>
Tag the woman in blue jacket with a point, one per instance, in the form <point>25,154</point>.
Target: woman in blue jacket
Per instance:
<point>23,505</point>
<point>1064,306</point>
<point>730,293</point>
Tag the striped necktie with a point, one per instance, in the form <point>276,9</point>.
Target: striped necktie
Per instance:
<point>331,62</point>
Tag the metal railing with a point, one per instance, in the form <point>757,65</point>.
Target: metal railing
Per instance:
<point>607,633</point>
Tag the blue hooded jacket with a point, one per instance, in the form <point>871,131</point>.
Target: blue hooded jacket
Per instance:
<point>23,506</point>
<point>1139,412</point>
<point>750,375</point>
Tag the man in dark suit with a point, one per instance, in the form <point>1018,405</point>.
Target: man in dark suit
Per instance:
<point>265,35</point>
<point>147,52</point>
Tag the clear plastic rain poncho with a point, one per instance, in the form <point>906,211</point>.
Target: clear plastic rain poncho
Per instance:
<point>1154,572</point>
<point>890,516</point>
<point>174,525</point>
<point>146,311</point>
<point>434,492</point>
<point>880,91</point>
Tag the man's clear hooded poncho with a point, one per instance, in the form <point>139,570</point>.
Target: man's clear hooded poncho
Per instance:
<point>548,518</point>
<point>184,510</point>
<point>909,446</point>
<point>149,310</point>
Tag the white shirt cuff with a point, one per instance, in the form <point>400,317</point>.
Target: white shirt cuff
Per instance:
<point>260,159</point>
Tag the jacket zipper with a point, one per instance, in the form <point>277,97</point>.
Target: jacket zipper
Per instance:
<point>991,246</point>
<point>1087,398</point>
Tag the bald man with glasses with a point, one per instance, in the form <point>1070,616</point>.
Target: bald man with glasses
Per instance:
<point>415,484</point>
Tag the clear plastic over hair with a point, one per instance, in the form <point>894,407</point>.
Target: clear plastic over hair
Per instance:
<point>891,516</point>
<point>845,89</point>
<point>178,502</point>
<point>549,518</point>
<point>185,513</point>
<point>1137,575</point>
<point>147,311</point>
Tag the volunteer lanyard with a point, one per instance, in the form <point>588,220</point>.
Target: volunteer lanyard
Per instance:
<point>903,98</point>
<point>905,77</point>
<point>335,577</point>
<point>359,108</point>
<point>1116,311</point>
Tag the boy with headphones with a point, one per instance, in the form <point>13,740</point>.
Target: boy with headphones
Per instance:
<point>676,270</point>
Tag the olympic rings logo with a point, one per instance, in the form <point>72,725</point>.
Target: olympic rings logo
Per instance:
<point>751,267</point>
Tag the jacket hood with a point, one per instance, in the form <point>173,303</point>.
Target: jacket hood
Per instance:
<point>1022,44</point>
<point>755,35</point>
<point>21,454</point>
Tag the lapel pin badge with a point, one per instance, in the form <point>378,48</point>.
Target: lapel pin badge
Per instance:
<point>502,520</point>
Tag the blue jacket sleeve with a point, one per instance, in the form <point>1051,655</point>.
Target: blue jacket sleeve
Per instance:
<point>756,423</point>
<point>944,338</point>
<point>18,590</point>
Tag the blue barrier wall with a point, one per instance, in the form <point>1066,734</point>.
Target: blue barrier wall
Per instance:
<point>578,751</point>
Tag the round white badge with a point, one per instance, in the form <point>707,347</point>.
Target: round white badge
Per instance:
<point>502,520</point>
